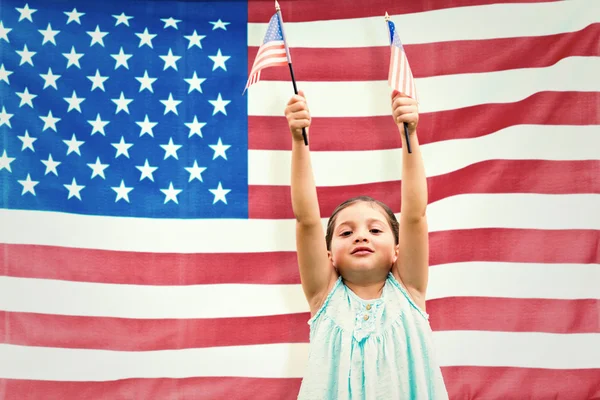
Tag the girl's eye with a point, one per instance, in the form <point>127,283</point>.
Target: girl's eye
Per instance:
<point>375,230</point>
<point>346,233</point>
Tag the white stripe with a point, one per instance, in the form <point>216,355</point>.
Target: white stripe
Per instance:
<point>486,279</point>
<point>461,23</point>
<point>518,142</point>
<point>438,93</point>
<point>453,348</point>
<point>470,211</point>
<point>270,61</point>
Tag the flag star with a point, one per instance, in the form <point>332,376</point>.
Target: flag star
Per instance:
<point>194,39</point>
<point>171,105</point>
<point>5,162</point>
<point>73,58</point>
<point>28,185</point>
<point>122,19</point>
<point>25,12</point>
<point>51,165</point>
<point>97,81</point>
<point>98,168</point>
<point>219,24</point>
<point>121,59</point>
<point>170,60</point>
<point>74,145</point>
<point>27,141</point>
<point>122,148</point>
<point>171,149</point>
<point>26,98</point>
<point>122,191</point>
<point>26,55</point>
<point>74,16</point>
<point>170,22</point>
<point>98,125</point>
<point>146,126</point>
<point>171,193</point>
<point>49,35</point>
<point>219,105</point>
<point>74,189</point>
<point>74,102</point>
<point>97,36</point>
<point>4,32</point>
<point>220,193</point>
<point>5,118</point>
<point>146,38</point>
<point>146,82</point>
<point>49,121</point>
<point>219,149</point>
<point>195,83</point>
<point>146,171</point>
<point>4,74</point>
<point>50,79</point>
<point>122,103</point>
<point>195,127</point>
<point>195,171</point>
<point>219,60</point>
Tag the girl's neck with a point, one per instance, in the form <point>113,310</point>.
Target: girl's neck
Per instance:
<point>366,290</point>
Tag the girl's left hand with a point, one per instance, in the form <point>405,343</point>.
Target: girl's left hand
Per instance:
<point>405,109</point>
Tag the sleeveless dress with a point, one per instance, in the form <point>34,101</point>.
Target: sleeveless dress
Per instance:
<point>371,349</point>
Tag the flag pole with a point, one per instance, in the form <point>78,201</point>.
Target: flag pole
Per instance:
<point>387,18</point>
<point>289,58</point>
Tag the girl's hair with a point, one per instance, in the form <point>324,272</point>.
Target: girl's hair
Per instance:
<point>389,215</point>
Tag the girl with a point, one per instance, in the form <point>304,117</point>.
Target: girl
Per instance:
<point>365,280</point>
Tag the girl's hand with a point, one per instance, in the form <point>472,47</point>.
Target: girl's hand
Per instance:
<point>298,115</point>
<point>405,109</point>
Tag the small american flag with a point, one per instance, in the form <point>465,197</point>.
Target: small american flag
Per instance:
<point>400,76</point>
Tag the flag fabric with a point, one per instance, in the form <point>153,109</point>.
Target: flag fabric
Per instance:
<point>400,76</point>
<point>148,247</point>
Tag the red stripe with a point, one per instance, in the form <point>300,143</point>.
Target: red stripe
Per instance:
<point>329,134</point>
<point>483,56</point>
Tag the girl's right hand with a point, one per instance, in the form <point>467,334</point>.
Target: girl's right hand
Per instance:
<point>298,115</point>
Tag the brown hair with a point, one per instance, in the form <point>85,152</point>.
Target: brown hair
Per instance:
<point>389,215</point>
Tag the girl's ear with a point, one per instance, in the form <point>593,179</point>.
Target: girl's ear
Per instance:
<point>396,252</point>
<point>330,256</point>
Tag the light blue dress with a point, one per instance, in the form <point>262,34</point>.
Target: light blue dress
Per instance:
<point>371,349</point>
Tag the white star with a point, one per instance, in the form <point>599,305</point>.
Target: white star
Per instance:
<point>122,191</point>
<point>146,171</point>
<point>98,168</point>
<point>220,193</point>
<point>122,19</point>
<point>194,39</point>
<point>74,16</point>
<point>26,98</point>
<point>219,149</point>
<point>145,38</point>
<point>50,79</point>
<point>122,148</point>
<point>49,35</point>
<point>195,171</point>
<point>121,59</point>
<point>5,118</point>
<point>195,83</point>
<point>219,105</point>
<point>27,141</point>
<point>171,105</point>
<point>26,56</point>
<point>74,102</point>
<point>146,82</point>
<point>97,36</point>
<point>28,185</point>
<point>219,60</point>
<point>74,145</point>
<point>146,126</point>
<point>74,189</point>
<point>51,165</point>
<point>4,32</point>
<point>170,22</point>
<point>97,80</point>
<point>122,103</point>
<point>170,60</point>
<point>4,74</point>
<point>49,121</point>
<point>171,149</point>
<point>5,162</point>
<point>73,58</point>
<point>171,193</point>
<point>195,127</point>
<point>98,125</point>
<point>219,24</point>
<point>26,12</point>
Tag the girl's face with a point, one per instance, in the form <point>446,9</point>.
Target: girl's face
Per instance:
<point>363,240</point>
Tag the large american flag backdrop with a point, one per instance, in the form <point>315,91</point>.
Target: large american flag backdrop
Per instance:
<point>146,228</point>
